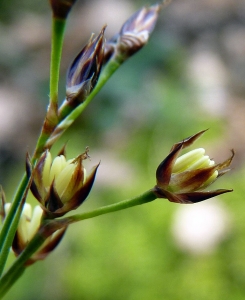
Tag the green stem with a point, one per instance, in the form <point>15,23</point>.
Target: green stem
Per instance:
<point>8,282</point>
<point>11,223</point>
<point>18,266</point>
<point>12,219</point>
<point>142,199</point>
<point>51,120</point>
<point>58,29</point>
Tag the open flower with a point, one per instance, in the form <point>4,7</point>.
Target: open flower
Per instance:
<point>28,226</point>
<point>183,179</point>
<point>60,185</point>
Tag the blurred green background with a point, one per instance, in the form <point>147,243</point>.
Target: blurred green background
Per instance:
<point>188,78</point>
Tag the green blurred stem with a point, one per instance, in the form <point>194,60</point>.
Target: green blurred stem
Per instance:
<point>11,222</point>
<point>70,113</point>
<point>142,199</point>
<point>18,267</point>
<point>58,29</point>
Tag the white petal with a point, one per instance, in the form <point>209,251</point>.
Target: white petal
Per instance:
<point>185,161</point>
<point>59,163</point>
<point>64,178</point>
<point>23,227</point>
<point>35,221</point>
<point>46,169</point>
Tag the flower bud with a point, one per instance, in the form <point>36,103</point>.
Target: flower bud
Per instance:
<point>60,185</point>
<point>183,179</point>
<point>133,35</point>
<point>84,72</point>
<point>61,8</point>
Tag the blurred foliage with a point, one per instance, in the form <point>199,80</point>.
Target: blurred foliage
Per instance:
<point>146,107</point>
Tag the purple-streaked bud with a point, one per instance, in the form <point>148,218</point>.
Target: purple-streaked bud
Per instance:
<point>84,72</point>
<point>61,8</point>
<point>183,179</point>
<point>133,35</point>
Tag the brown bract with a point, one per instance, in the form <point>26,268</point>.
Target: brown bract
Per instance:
<point>187,186</point>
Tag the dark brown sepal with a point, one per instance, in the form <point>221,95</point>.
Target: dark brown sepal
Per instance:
<point>192,179</point>
<point>51,244</point>
<point>37,187</point>
<point>195,197</point>
<point>164,170</point>
<point>28,165</point>
<point>80,196</point>
<point>189,141</point>
<point>224,166</point>
<point>33,187</point>
<point>77,177</point>
<point>17,246</point>
<point>53,201</point>
<point>188,198</point>
<point>61,8</point>
<point>62,151</point>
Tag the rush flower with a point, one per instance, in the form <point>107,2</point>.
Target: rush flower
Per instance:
<point>60,185</point>
<point>84,72</point>
<point>183,179</point>
<point>29,224</point>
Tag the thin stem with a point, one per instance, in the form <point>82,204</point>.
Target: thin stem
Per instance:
<point>51,120</point>
<point>8,282</point>
<point>11,222</point>
<point>58,29</point>
<point>18,266</point>
<point>142,199</point>
<point>12,219</point>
